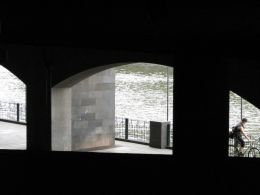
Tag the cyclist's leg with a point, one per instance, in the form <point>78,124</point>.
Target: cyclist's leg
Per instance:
<point>236,145</point>
<point>242,145</point>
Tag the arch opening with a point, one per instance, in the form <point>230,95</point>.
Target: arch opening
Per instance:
<point>13,126</point>
<point>240,108</point>
<point>110,109</point>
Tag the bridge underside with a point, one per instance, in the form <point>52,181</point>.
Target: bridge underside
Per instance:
<point>245,81</point>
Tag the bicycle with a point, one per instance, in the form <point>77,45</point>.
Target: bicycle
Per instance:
<point>250,149</point>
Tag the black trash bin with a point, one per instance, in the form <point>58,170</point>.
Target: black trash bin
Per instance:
<point>158,134</point>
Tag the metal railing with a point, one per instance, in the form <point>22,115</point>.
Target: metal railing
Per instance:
<point>137,131</point>
<point>13,112</point>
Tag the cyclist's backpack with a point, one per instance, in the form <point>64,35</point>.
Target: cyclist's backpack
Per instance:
<point>231,133</point>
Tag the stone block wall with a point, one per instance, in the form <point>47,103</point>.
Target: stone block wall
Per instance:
<point>91,121</point>
<point>93,111</point>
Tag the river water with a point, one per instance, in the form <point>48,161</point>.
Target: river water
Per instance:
<point>141,92</point>
<point>12,88</point>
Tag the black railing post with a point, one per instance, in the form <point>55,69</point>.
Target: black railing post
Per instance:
<point>18,112</point>
<point>126,128</point>
<point>168,135</point>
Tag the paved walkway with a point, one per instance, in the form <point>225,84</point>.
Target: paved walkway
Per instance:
<point>127,147</point>
<point>12,136</point>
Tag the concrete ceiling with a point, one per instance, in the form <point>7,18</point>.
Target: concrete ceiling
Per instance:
<point>146,26</point>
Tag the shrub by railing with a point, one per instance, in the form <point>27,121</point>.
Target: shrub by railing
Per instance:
<point>13,112</point>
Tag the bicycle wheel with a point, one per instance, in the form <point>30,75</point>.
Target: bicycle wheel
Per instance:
<point>232,150</point>
<point>254,153</point>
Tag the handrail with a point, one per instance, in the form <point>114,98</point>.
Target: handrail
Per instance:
<point>138,131</point>
<point>13,112</point>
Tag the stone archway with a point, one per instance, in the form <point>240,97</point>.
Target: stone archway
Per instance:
<point>83,110</point>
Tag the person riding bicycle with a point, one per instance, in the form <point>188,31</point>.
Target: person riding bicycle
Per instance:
<point>238,131</point>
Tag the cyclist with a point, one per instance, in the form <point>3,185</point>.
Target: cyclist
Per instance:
<point>238,131</point>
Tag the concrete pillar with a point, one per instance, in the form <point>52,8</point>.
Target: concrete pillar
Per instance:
<point>61,119</point>
<point>201,101</point>
<point>83,115</point>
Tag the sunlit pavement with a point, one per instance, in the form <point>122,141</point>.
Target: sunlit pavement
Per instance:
<point>127,147</point>
<point>12,136</point>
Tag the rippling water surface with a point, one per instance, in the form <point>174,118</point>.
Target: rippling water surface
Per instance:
<point>141,92</point>
<point>12,89</point>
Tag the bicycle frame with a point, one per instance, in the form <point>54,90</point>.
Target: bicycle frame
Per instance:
<point>250,149</point>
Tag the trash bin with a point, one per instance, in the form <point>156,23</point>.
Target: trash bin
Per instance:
<point>158,134</point>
